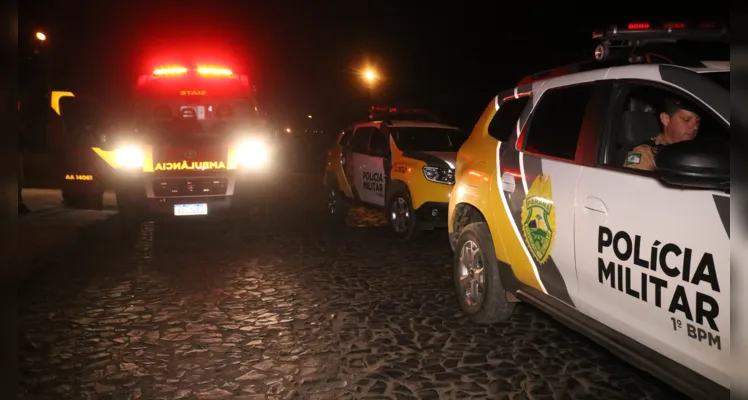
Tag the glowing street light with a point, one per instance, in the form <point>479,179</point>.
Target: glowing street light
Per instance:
<point>288,130</point>
<point>41,36</point>
<point>310,116</point>
<point>370,75</point>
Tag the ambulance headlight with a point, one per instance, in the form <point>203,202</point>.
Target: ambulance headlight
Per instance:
<point>129,157</point>
<point>253,154</point>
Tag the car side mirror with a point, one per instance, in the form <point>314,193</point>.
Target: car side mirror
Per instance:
<point>698,164</point>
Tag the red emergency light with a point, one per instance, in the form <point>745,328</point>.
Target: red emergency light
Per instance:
<point>212,70</point>
<point>675,25</point>
<point>170,70</point>
<point>638,25</point>
<point>202,70</point>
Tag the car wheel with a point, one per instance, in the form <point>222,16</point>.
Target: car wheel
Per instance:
<point>476,276</point>
<point>337,210</point>
<point>402,217</point>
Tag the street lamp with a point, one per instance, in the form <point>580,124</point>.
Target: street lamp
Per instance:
<point>370,76</point>
<point>310,116</point>
<point>42,38</point>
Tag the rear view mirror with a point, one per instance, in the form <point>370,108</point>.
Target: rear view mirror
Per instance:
<point>699,164</point>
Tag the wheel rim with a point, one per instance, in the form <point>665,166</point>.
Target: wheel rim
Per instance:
<point>400,215</point>
<point>472,274</point>
<point>332,201</point>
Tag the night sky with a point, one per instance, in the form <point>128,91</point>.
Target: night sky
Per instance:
<point>452,58</point>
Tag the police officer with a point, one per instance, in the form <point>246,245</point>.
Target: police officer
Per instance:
<point>679,123</point>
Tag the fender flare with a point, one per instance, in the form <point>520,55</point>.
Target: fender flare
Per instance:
<point>395,186</point>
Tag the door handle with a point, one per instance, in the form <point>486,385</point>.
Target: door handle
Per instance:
<point>508,182</point>
<point>595,204</point>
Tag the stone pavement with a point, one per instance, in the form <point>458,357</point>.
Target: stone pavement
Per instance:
<point>288,310</point>
<point>51,227</point>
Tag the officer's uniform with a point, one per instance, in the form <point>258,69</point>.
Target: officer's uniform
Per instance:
<point>643,156</point>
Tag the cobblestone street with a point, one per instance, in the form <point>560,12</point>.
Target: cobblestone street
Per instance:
<point>289,310</point>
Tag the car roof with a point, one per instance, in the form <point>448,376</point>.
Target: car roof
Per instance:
<point>418,124</point>
<point>649,72</point>
<point>409,124</point>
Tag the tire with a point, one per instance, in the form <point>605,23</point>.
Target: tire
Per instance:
<point>400,208</point>
<point>93,201</point>
<point>493,305</point>
<point>336,208</point>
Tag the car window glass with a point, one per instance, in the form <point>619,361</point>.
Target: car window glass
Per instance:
<point>504,122</point>
<point>360,140</point>
<point>345,137</point>
<point>638,119</point>
<point>554,127</point>
<point>378,141</point>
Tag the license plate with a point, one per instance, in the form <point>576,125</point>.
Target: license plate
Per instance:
<point>191,209</point>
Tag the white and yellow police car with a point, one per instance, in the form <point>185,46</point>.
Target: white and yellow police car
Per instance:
<point>401,160</point>
<point>543,210</point>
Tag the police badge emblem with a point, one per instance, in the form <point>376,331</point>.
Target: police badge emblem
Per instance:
<point>539,218</point>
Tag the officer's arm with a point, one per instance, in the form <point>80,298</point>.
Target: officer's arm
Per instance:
<point>641,157</point>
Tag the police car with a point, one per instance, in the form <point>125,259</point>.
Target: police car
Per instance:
<point>401,160</point>
<point>544,212</point>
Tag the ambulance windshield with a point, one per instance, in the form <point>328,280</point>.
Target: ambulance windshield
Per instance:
<point>196,117</point>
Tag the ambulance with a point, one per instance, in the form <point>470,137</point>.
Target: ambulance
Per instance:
<point>544,211</point>
<point>196,147</point>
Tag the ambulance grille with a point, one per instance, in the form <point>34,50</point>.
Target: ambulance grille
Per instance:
<point>182,187</point>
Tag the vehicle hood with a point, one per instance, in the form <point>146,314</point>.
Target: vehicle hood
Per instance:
<point>448,157</point>
<point>190,155</point>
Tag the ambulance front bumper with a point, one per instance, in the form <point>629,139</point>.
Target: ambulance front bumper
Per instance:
<point>159,194</point>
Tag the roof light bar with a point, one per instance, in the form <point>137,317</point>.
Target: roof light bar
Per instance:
<point>202,70</point>
<point>207,70</point>
<point>170,70</point>
<point>643,30</point>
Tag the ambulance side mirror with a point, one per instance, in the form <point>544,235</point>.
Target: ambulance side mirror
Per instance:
<point>697,164</point>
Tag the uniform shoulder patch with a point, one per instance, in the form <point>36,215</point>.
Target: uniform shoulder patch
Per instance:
<point>635,158</point>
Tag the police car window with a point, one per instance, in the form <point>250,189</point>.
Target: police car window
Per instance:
<point>345,137</point>
<point>554,127</point>
<point>360,140</point>
<point>410,138</point>
<point>504,123</point>
<point>377,140</point>
<point>639,120</point>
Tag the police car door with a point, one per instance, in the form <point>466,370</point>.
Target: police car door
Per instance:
<point>539,184</point>
<point>355,155</point>
<point>653,261</point>
<point>373,172</point>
